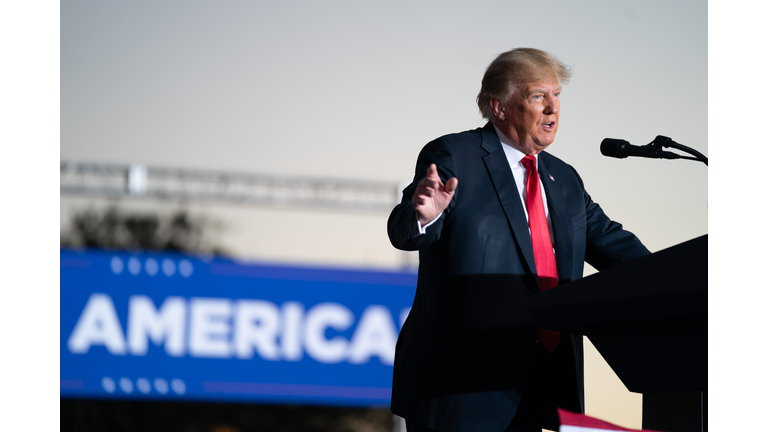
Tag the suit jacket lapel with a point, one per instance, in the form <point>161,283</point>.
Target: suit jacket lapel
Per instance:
<point>504,183</point>
<point>562,225</point>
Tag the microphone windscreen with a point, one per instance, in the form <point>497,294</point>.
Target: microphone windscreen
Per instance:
<point>612,147</point>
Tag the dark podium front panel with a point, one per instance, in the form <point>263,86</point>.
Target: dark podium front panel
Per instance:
<point>647,318</point>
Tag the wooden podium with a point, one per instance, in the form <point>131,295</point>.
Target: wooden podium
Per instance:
<point>648,319</point>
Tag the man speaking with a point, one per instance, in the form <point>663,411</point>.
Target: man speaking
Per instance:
<point>495,218</point>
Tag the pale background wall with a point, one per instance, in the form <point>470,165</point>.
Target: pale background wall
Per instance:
<point>352,89</point>
<point>355,89</point>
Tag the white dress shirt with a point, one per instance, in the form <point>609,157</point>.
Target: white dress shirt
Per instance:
<point>514,156</point>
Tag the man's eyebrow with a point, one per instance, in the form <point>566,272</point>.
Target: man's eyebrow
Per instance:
<point>542,90</point>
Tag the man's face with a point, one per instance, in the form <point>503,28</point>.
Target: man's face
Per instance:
<point>531,115</point>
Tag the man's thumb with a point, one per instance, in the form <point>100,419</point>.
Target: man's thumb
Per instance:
<point>451,184</point>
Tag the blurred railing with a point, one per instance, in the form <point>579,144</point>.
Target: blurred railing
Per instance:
<point>141,181</point>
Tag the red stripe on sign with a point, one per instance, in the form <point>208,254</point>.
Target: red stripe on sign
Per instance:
<point>573,422</point>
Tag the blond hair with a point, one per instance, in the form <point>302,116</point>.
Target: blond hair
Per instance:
<point>515,67</point>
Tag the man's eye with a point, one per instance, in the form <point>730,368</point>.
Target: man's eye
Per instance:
<point>557,94</point>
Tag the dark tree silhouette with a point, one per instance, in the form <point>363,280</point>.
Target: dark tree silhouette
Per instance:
<point>118,229</point>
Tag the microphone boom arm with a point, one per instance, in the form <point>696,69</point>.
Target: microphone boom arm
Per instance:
<point>662,141</point>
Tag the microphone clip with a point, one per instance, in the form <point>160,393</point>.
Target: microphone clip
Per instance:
<point>660,142</point>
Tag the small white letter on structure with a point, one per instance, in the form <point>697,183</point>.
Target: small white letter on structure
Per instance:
<point>319,318</point>
<point>375,335</point>
<point>144,320</point>
<point>256,325</point>
<point>98,325</point>
<point>209,327</point>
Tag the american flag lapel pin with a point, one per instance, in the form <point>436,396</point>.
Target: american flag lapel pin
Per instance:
<point>551,178</point>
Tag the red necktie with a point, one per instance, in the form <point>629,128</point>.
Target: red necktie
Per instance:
<point>546,267</point>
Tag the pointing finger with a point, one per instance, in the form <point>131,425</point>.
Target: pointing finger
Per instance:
<point>432,173</point>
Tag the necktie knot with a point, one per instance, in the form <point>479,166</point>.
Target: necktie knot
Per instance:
<point>529,162</point>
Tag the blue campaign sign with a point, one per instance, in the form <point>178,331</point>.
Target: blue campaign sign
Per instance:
<point>173,326</point>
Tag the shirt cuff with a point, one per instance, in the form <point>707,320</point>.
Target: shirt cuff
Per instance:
<point>423,229</point>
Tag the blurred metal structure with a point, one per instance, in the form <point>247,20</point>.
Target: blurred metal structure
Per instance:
<point>172,184</point>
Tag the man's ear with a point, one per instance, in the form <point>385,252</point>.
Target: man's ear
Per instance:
<point>497,107</point>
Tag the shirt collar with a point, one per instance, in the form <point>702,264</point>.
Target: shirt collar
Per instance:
<point>510,148</point>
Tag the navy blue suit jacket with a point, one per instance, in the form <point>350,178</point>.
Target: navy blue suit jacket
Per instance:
<point>463,354</point>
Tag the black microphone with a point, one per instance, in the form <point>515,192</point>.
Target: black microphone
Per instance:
<point>620,148</point>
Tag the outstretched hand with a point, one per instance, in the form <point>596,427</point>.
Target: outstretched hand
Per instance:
<point>432,196</point>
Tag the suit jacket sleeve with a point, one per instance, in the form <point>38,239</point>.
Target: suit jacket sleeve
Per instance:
<point>401,226</point>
